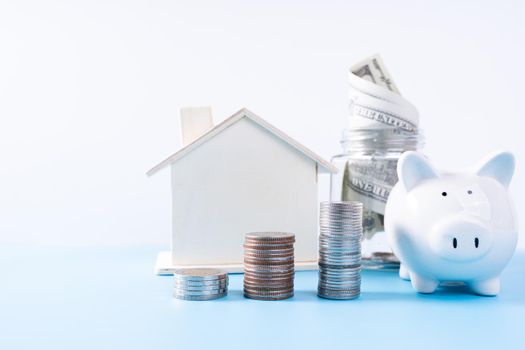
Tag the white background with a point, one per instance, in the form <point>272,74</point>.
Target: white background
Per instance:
<point>90,93</point>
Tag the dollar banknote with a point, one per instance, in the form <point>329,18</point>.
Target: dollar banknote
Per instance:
<point>375,101</point>
<point>373,69</point>
<point>370,182</point>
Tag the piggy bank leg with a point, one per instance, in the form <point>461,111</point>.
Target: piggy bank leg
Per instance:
<point>423,284</point>
<point>488,287</point>
<point>403,272</point>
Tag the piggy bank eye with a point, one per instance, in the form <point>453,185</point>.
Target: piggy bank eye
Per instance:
<point>469,192</point>
<point>444,194</point>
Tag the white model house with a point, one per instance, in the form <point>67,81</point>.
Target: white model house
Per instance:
<point>240,176</point>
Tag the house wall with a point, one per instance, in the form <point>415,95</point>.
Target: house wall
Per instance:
<point>244,179</point>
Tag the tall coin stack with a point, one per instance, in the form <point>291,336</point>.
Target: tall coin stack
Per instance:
<point>200,284</point>
<point>268,265</point>
<point>340,235</point>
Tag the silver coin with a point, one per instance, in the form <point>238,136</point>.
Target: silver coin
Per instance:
<point>340,218</point>
<point>350,262</point>
<point>201,289</point>
<point>338,237</point>
<point>336,267</point>
<point>351,218</point>
<point>344,245</point>
<point>339,244</point>
<point>339,286</point>
<point>202,283</point>
<point>338,289</point>
<point>349,249</point>
<point>270,237</point>
<point>199,293</point>
<point>336,220</point>
<point>343,232</point>
<point>346,204</point>
<point>199,297</point>
<point>193,284</point>
<point>338,264</point>
<point>339,252</point>
<point>328,259</point>
<point>338,296</point>
<point>340,273</point>
<point>340,234</point>
<point>339,277</point>
<point>331,221</point>
<point>199,274</point>
<point>340,282</point>
<point>324,261</point>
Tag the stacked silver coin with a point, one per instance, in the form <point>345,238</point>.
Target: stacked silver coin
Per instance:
<point>200,284</point>
<point>340,235</point>
<point>269,265</point>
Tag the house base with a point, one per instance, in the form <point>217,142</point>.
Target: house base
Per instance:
<point>164,266</point>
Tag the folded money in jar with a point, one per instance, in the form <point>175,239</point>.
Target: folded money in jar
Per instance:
<point>381,125</point>
<point>269,265</point>
<point>200,284</point>
<point>340,250</point>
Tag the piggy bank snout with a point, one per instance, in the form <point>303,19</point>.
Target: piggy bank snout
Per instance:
<point>461,238</point>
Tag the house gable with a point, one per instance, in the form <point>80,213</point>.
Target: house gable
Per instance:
<point>242,114</point>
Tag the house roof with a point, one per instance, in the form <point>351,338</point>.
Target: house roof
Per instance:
<point>324,165</point>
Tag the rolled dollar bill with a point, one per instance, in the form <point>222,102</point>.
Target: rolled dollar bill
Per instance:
<point>375,101</point>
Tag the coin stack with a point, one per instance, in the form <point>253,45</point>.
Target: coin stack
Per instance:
<point>340,235</point>
<point>200,284</point>
<point>268,265</point>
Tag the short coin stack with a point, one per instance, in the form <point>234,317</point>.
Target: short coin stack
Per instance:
<point>340,250</point>
<point>200,284</point>
<point>268,265</point>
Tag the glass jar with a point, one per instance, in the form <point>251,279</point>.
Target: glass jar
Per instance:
<point>367,172</point>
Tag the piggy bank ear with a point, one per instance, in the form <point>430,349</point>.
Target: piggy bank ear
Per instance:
<point>414,168</point>
<point>499,166</point>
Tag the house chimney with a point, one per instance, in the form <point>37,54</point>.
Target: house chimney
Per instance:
<point>194,122</point>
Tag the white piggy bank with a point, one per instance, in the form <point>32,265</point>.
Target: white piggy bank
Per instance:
<point>452,226</point>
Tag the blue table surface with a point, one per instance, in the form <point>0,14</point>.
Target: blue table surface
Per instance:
<point>109,298</point>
